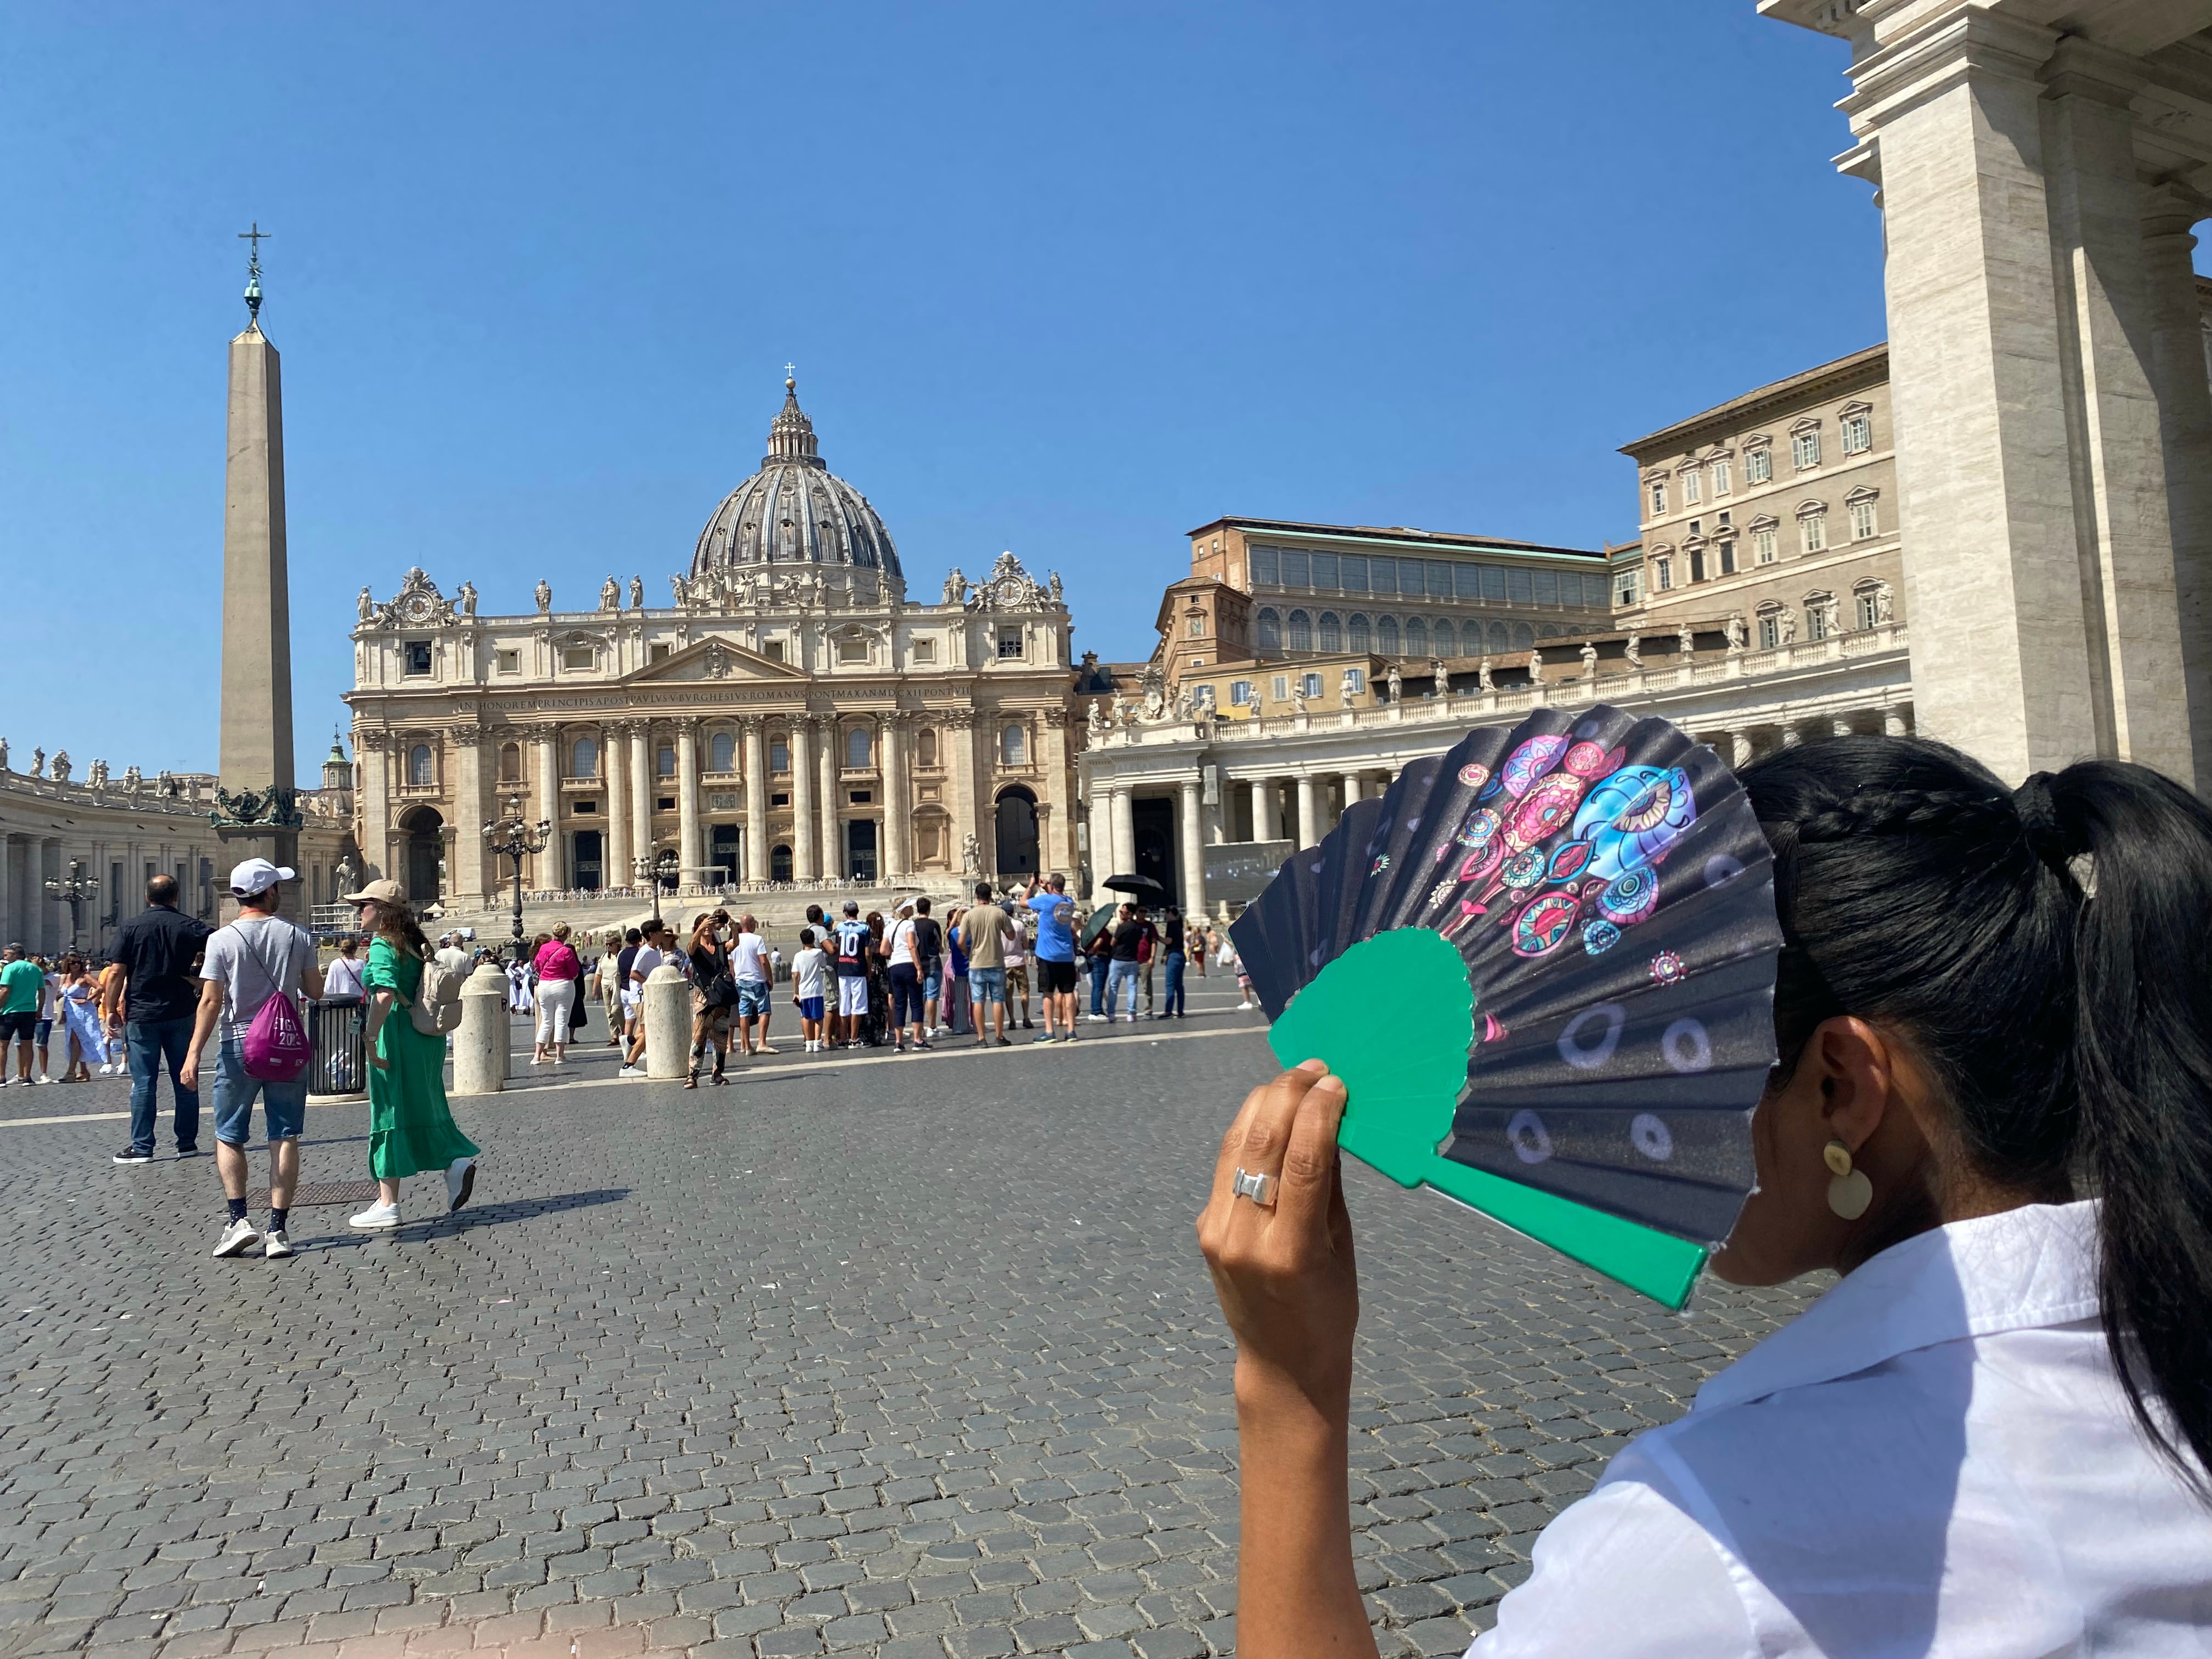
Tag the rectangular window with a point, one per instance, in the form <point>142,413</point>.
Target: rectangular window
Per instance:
<point>1382,575</point>
<point>1870,609</point>
<point>1240,693</point>
<point>1863,524</point>
<point>1324,570</point>
<point>1812,531</point>
<point>417,658</point>
<point>1311,685</point>
<point>1762,545</point>
<point>857,650</point>
<point>1011,641</point>
<point>1816,622</point>
<point>1723,477</point>
<point>1805,449</point>
<point>508,662</point>
<point>1493,582</point>
<point>1352,573</point>
<point>925,651</point>
<point>1770,633</point>
<point>779,755</point>
<point>1728,558</point>
<point>1625,593</point>
<point>1409,577</point>
<point>1520,585</point>
<point>1282,688</point>
<point>1263,566</point>
<point>1759,465</point>
<point>1547,587</point>
<point>1440,579</point>
<point>658,652</point>
<point>1665,575</point>
<point>584,807</point>
<point>1858,434</point>
<point>578,658</point>
<point>1297,568</point>
<point>1658,497</point>
<point>664,804</point>
<point>1694,487</point>
<point>1467,581</point>
<point>773,650</point>
<point>1359,678</point>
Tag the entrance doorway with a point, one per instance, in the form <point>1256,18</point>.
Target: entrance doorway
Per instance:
<point>1018,832</point>
<point>426,851</point>
<point>860,848</point>
<point>779,863</point>
<point>585,863</point>
<point>1154,824</point>
<point>722,860</point>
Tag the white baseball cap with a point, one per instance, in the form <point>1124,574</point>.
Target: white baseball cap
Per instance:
<point>258,875</point>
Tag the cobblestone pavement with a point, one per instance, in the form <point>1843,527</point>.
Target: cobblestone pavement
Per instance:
<point>900,1357</point>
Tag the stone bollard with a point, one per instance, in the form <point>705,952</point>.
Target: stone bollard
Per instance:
<point>667,1023</point>
<point>480,1045</point>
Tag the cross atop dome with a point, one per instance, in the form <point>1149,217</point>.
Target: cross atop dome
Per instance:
<point>791,434</point>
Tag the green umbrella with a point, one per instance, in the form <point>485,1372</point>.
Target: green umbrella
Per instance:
<point>1099,918</point>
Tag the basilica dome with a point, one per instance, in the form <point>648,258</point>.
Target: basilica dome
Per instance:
<point>794,510</point>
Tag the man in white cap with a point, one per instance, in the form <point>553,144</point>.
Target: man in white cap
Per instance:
<point>258,957</point>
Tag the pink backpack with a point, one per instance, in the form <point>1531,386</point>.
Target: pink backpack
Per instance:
<point>275,1048</point>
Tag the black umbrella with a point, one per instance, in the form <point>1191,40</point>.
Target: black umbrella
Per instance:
<point>1100,919</point>
<point>1141,887</point>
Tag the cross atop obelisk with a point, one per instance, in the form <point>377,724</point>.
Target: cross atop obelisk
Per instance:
<point>257,236</point>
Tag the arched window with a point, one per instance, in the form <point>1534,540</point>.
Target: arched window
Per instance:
<point>1301,631</point>
<point>722,753</point>
<point>925,747</point>
<point>1501,642</point>
<point>1385,635</point>
<point>584,759</point>
<point>1271,628</point>
<point>856,748</point>
<point>422,769</point>
<point>1524,637</point>
<point>1359,636</point>
<point>1332,631</point>
<point>1013,746</point>
<point>664,760</point>
<point>1416,637</point>
<point>510,763</point>
<point>1447,640</point>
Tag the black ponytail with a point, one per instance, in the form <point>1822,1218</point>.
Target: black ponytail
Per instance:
<point>2070,1025</point>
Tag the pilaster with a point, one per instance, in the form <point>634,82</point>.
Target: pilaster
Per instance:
<point>614,767</point>
<point>690,854</point>
<point>806,839</point>
<point>642,787</point>
<point>897,835</point>
<point>756,800</point>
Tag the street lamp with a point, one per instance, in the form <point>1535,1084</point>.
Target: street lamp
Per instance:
<point>73,890</point>
<point>648,868</point>
<point>510,837</point>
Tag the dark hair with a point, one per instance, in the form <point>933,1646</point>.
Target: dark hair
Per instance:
<point>921,905</point>
<point>2071,1030</point>
<point>983,890</point>
<point>631,936</point>
<point>805,939</point>
<point>395,923</point>
<point>162,890</point>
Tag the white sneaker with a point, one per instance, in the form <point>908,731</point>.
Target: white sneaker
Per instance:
<point>631,1071</point>
<point>236,1236</point>
<point>49,1078</point>
<point>274,1244</point>
<point>376,1217</point>
<point>460,1182</point>
<point>536,1061</point>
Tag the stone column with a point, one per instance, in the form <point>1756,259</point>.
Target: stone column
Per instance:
<point>614,767</point>
<point>2185,407</point>
<point>828,762</point>
<point>642,784</point>
<point>1124,832</point>
<point>1355,788</point>
<point>1101,838</point>
<point>755,800</point>
<point>897,835</point>
<point>1267,814</point>
<point>1194,851</point>
<point>548,873</point>
<point>1308,811</point>
<point>690,852</point>
<point>805,840</point>
<point>2107,322</point>
<point>1894,723</point>
<point>1791,737</point>
<point>1739,747</point>
<point>1840,726</point>
<point>960,733</point>
<point>373,750</point>
<point>1056,850</point>
<point>469,812</point>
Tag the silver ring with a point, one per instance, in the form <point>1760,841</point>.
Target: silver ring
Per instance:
<point>1259,1189</point>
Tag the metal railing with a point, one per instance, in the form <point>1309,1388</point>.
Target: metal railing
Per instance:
<point>340,1065</point>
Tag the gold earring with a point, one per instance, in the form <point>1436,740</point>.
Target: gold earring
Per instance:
<point>1851,1192</point>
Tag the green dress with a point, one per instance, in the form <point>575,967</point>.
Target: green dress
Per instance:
<point>410,1129</point>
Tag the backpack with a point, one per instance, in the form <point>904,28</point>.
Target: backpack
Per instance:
<point>275,1048</point>
<point>436,1008</point>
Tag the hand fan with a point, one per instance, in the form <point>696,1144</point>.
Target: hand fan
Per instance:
<point>1543,964</point>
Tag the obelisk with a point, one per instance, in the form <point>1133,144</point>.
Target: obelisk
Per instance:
<point>256,815</point>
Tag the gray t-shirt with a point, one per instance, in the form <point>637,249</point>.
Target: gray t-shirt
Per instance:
<point>252,959</point>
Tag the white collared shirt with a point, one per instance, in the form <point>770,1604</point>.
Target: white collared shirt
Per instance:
<point>1934,1460</point>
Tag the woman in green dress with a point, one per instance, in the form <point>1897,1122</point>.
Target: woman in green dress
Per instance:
<point>410,1130</point>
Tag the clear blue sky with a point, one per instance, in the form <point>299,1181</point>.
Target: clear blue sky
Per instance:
<point>1068,280</point>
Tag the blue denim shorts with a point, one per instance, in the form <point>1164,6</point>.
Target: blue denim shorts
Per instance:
<point>988,984</point>
<point>283,1105</point>
<point>933,983</point>
<point>752,999</point>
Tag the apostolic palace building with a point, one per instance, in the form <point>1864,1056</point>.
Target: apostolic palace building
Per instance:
<point>792,716</point>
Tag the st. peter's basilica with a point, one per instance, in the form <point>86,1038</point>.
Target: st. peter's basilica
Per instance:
<point>790,717</point>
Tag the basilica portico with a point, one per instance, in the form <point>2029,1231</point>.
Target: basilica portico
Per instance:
<point>791,720</point>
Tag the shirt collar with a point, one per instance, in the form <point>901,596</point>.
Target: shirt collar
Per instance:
<point>2030,1267</point>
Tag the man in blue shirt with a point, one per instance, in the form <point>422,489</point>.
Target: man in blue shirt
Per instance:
<point>1055,956</point>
